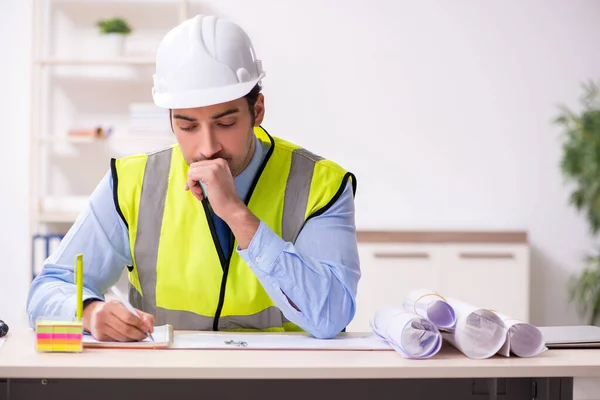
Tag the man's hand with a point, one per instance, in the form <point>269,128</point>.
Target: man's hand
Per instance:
<point>111,321</point>
<point>216,176</point>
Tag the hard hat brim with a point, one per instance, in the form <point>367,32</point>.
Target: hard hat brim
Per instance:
<point>204,97</point>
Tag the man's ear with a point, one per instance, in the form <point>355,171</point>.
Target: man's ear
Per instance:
<point>259,109</point>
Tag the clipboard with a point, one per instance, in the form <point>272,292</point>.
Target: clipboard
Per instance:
<point>166,339</point>
<point>279,341</point>
<point>163,339</point>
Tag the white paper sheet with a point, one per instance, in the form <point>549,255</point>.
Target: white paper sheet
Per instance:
<point>429,304</point>
<point>266,341</point>
<point>160,335</point>
<point>522,339</point>
<point>479,333</point>
<point>408,333</point>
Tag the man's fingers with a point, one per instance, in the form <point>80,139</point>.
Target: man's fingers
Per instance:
<point>147,321</point>
<point>125,315</point>
<point>195,188</point>
<point>205,172</point>
<point>113,322</point>
<point>129,332</point>
<point>126,323</point>
<point>106,333</point>
<point>113,334</point>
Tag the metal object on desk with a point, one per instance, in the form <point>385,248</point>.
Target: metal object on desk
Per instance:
<point>236,343</point>
<point>3,328</point>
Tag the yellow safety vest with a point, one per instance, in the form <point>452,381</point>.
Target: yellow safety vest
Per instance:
<point>179,273</point>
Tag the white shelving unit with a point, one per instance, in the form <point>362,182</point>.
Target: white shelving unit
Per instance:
<point>91,62</point>
<point>75,85</point>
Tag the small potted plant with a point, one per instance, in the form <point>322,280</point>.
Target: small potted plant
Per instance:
<point>114,31</point>
<point>580,165</point>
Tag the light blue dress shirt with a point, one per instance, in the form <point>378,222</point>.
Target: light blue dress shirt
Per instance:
<point>319,273</point>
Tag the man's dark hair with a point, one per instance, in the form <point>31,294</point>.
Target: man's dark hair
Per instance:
<point>251,99</point>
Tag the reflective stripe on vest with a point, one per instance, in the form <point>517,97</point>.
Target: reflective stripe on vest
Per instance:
<point>151,210</point>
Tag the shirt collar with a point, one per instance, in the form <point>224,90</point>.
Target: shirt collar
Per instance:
<point>244,179</point>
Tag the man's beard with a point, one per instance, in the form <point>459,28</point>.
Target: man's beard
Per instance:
<point>227,159</point>
<point>215,157</point>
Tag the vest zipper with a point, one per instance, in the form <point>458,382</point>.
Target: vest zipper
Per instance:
<point>225,263</point>
<point>223,284</point>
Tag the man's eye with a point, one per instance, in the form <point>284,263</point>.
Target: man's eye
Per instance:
<point>187,128</point>
<point>226,124</point>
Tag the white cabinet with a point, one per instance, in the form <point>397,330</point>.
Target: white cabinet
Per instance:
<point>491,275</point>
<point>388,272</point>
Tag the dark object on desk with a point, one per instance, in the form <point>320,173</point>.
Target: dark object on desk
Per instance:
<point>563,337</point>
<point>3,328</point>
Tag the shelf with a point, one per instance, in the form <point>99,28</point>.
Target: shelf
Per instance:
<point>58,217</point>
<point>119,2</point>
<point>123,61</point>
<point>77,84</point>
<point>115,139</point>
<point>61,209</point>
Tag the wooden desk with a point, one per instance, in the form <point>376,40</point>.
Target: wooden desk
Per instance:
<point>254,374</point>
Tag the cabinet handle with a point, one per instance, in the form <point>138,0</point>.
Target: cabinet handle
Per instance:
<point>502,256</point>
<point>401,255</point>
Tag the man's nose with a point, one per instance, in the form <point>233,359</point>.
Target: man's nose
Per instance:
<point>209,146</point>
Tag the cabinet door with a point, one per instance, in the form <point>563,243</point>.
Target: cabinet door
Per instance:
<point>389,271</point>
<point>489,276</point>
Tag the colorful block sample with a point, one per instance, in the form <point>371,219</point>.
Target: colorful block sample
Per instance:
<point>60,336</point>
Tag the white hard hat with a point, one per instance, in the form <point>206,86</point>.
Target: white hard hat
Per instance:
<point>204,61</point>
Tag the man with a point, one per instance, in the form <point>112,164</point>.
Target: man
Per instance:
<point>231,229</point>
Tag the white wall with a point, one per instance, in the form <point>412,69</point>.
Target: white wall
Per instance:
<point>15,50</point>
<point>442,109</point>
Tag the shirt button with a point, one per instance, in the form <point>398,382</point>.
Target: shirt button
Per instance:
<point>258,259</point>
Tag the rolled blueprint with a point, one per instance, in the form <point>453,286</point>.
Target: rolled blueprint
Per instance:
<point>479,332</point>
<point>429,304</point>
<point>522,339</point>
<point>408,333</point>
